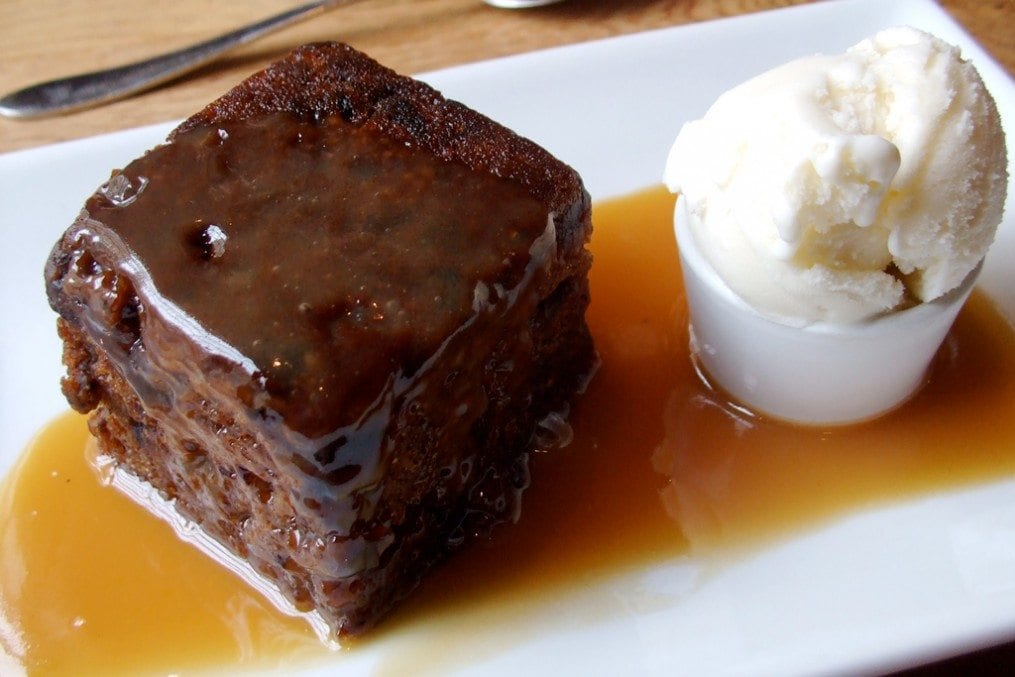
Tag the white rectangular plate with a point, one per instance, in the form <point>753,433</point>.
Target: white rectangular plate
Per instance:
<point>882,588</point>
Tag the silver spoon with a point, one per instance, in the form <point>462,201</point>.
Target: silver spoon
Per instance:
<point>91,89</point>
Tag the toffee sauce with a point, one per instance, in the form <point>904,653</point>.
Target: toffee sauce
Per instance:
<point>660,466</point>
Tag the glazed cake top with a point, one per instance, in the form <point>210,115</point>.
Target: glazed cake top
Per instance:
<point>330,237</point>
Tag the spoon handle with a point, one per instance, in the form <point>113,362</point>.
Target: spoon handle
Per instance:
<point>90,89</point>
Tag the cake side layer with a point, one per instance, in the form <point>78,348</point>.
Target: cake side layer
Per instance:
<point>458,483</point>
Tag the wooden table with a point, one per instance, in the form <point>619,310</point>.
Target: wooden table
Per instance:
<point>42,39</point>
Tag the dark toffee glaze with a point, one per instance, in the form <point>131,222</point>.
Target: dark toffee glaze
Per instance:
<point>331,256</point>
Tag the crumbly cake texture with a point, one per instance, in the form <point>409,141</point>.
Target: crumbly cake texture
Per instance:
<point>326,319</point>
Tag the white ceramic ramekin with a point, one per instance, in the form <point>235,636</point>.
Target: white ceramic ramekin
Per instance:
<point>820,374</point>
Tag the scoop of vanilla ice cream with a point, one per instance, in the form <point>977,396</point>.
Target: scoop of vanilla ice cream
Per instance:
<point>835,188</point>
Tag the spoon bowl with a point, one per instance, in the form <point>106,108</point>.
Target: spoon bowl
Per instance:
<point>519,4</point>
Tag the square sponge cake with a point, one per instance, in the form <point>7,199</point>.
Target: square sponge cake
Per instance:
<point>325,321</point>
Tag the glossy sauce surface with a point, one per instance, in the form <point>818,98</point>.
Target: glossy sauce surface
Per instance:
<point>91,584</point>
<point>660,467</point>
<point>337,236</point>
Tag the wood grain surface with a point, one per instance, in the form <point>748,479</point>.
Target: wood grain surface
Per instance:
<point>44,39</point>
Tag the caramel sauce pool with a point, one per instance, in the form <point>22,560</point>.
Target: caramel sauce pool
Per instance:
<point>661,466</point>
